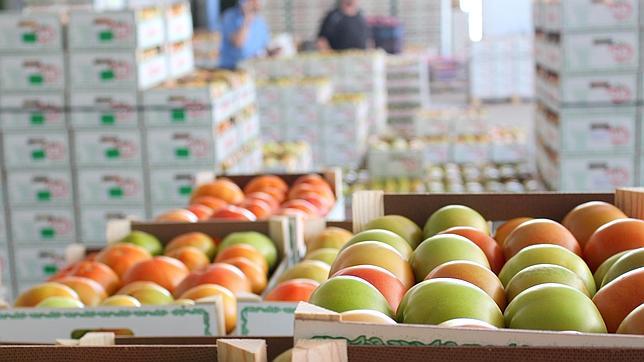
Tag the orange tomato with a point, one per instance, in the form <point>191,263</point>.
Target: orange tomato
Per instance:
<point>489,246</point>
<point>205,291</point>
<point>243,251</point>
<point>620,297</point>
<point>213,203</point>
<point>226,275</point>
<point>612,238</point>
<point>165,271</point>
<point>539,231</point>
<point>262,182</point>
<point>99,272</point>
<point>191,257</point>
<point>585,219</point>
<point>261,209</point>
<point>506,228</point>
<point>295,290</point>
<point>122,256</point>
<point>385,281</point>
<point>256,276</point>
<point>223,189</point>
<point>90,292</point>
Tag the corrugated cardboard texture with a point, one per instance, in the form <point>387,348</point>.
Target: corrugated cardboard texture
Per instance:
<point>495,207</point>
<point>512,354</point>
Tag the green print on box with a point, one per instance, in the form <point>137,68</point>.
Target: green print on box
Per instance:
<point>115,192</point>
<point>29,38</point>
<point>107,74</point>
<point>47,233</point>
<point>38,154</point>
<point>178,115</point>
<point>36,79</point>
<point>105,36</point>
<point>185,190</point>
<point>112,153</point>
<point>37,118</point>
<point>108,119</point>
<point>259,310</point>
<point>182,152</point>
<point>364,340</point>
<point>43,195</point>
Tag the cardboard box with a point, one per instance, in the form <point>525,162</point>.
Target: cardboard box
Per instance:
<point>585,172</point>
<point>201,106</point>
<point>44,226</point>
<point>588,130</point>
<point>38,263</point>
<point>599,88</point>
<point>119,186</point>
<point>96,108</point>
<point>126,29</point>
<point>29,149</point>
<point>172,320</point>
<point>117,69</point>
<point>318,323</point>
<point>40,188</point>
<point>33,72</point>
<point>582,15</point>
<point>26,32</point>
<point>5,268</point>
<point>178,22</point>
<point>108,148</point>
<point>595,52</point>
<point>392,163</point>
<point>174,186</point>
<point>185,147</point>
<point>180,59</point>
<point>93,221</point>
<point>33,111</point>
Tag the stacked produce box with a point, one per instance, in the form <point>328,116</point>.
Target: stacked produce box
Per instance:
<point>407,89</point>
<point>502,69</point>
<point>37,157</point>
<point>290,86</point>
<point>588,74</point>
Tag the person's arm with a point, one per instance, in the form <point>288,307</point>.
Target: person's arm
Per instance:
<point>324,34</point>
<point>239,37</point>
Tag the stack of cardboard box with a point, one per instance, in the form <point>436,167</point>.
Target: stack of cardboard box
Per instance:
<point>588,75</point>
<point>407,89</point>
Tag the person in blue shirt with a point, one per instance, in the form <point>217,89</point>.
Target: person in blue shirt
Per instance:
<point>245,33</point>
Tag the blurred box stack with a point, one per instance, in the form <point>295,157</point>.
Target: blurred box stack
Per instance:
<point>6,274</point>
<point>178,38</point>
<point>206,122</point>
<point>114,55</point>
<point>288,157</point>
<point>407,90</point>
<point>37,157</point>
<point>502,69</point>
<point>422,21</point>
<point>588,68</point>
<point>206,48</point>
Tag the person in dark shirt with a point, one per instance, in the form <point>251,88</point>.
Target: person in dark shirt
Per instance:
<point>344,28</point>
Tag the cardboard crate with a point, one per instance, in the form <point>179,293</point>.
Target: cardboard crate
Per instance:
<point>5,269</point>
<point>584,15</point>
<point>27,32</point>
<point>180,59</point>
<point>39,262</point>
<point>44,226</point>
<point>600,88</point>
<point>120,186</point>
<point>109,109</point>
<point>33,111</point>
<point>117,69</point>
<point>126,29</point>
<point>33,72</point>
<point>178,22</point>
<point>318,323</point>
<point>188,146</point>
<point>43,188</point>
<point>173,186</point>
<point>93,221</point>
<point>108,148</point>
<point>602,51</point>
<point>588,130</point>
<point>182,106</point>
<point>31,149</point>
<point>384,163</point>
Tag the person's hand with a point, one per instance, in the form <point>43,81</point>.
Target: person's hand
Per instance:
<point>247,10</point>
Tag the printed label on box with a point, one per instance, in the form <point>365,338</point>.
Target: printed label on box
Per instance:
<point>608,130</point>
<point>265,319</point>
<point>606,89</point>
<point>589,14</point>
<point>116,69</point>
<point>186,147</point>
<point>32,111</point>
<point>96,148</point>
<point>94,220</point>
<point>27,32</point>
<point>99,187</point>
<point>610,51</point>
<point>186,106</point>
<point>32,72</point>
<point>43,226</point>
<point>29,188</point>
<point>181,60</point>
<point>36,149</point>
<point>93,109</point>
<point>178,23</point>
<point>601,174</point>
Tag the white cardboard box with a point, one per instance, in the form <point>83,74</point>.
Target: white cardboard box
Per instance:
<point>108,148</point>
<point>42,188</point>
<point>33,110</point>
<point>180,58</point>
<point>601,51</point>
<point>174,186</point>
<point>93,221</point>
<point>38,32</point>
<point>32,72</point>
<point>391,163</point>
<point>184,147</point>
<point>178,22</point>
<point>117,69</point>
<point>43,226</point>
<point>36,149</point>
<point>576,15</point>
<point>5,270</point>
<point>39,262</point>
<point>589,130</point>
<point>120,186</point>
<point>91,109</point>
<point>187,106</point>
<point>599,88</point>
<point>126,29</point>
